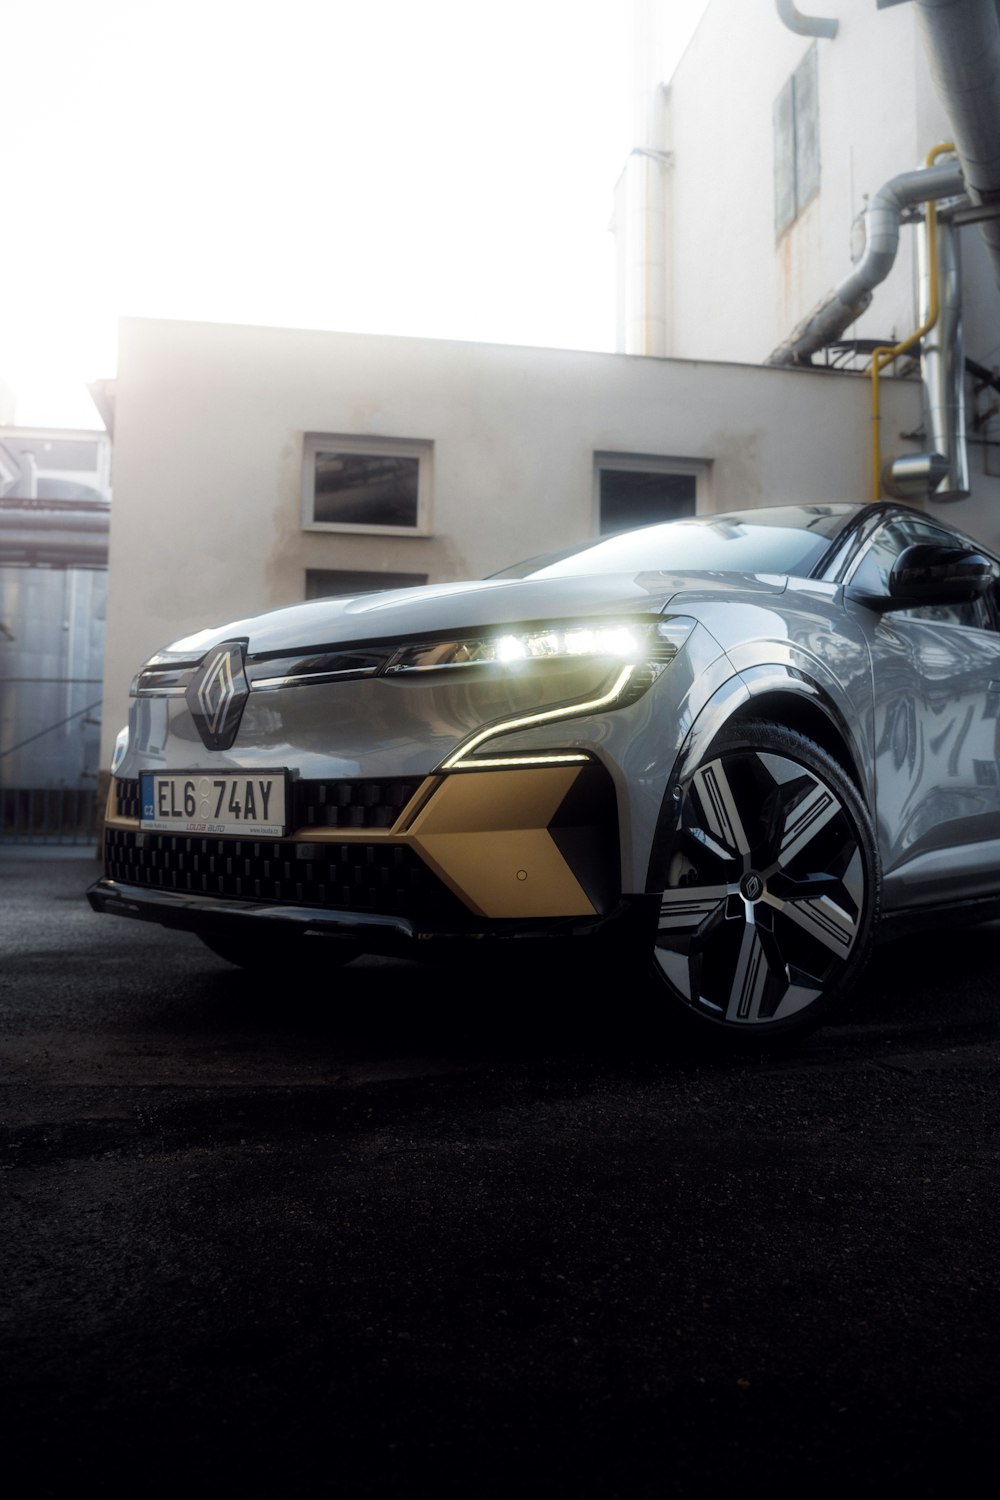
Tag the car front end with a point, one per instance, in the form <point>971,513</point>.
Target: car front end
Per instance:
<point>380,770</point>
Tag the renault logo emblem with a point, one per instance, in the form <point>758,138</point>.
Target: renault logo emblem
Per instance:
<point>751,886</point>
<point>217,694</point>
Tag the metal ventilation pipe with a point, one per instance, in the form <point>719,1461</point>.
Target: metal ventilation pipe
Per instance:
<point>849,300</point>
<point>962,41</point>
<point>805,25</point>
<point>36,535</point>
<point>942,366</point>
<point>912,476</point>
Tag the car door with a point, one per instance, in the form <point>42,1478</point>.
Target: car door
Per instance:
<point>936,677</point>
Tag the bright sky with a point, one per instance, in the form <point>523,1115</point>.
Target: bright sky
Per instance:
<point>443,168</point>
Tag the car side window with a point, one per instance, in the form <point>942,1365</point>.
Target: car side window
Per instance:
<point>873,572</point>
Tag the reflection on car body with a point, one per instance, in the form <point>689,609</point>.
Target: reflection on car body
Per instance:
<point>721,752</point>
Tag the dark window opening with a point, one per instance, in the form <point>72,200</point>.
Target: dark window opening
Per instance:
<point>366,489</point>
<point>634,497</point>
<point>328,583</point>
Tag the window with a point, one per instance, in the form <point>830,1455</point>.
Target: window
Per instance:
<point>365,484</point>
<point>39,466</point>
<point>639,491</point>
<point>796,143</point>
<point>326,583</point>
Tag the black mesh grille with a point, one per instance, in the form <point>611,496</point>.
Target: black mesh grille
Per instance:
<point>320,804</point>
<point>385,878</point>
<point>352,804</point>
<point>127,798</point>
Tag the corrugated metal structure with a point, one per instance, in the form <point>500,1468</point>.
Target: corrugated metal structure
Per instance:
<point>54,521</point>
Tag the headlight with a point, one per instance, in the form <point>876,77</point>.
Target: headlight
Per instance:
<point>634,654</point>
<point>647,641</point>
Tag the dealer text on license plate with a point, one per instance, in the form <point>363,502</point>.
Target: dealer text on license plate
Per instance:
<point>226,802</point>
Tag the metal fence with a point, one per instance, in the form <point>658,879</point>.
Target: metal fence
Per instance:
<point>48,815</point>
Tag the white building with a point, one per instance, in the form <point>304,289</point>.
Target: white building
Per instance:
<point>755,163</point>
<point>249,463</point>
<point>255,467</point>
<point>758,187</point>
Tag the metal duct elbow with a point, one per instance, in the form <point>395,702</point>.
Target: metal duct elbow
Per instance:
<point>792,17</point>
<point>882,219</point>
<point>912,476</point>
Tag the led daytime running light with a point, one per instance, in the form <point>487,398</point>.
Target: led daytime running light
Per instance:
<point>544,716</point>
<point>502,762</point>
<point>616,641</point>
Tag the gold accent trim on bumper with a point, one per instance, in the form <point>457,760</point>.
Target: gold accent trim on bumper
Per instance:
<point>484,833</point>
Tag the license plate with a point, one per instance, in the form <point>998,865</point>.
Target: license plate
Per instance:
<point>225,802</point>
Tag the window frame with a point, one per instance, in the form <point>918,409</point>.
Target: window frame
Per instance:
<point>796,111</point>
<point>649,463</point>
<point>422,449</point>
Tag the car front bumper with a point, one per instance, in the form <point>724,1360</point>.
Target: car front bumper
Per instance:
<point>374,932</point>
<point>493,854</point>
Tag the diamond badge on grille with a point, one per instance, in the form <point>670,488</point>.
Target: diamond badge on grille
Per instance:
<point>217,695</point>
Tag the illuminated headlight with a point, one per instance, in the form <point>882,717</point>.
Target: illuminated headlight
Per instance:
<point>634,655</point>
<point>615,640</point>
<point>647,641</point>
<point>120,750</point>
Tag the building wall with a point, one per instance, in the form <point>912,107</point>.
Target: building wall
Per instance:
<point>736,289</point>
<point>209,430</point>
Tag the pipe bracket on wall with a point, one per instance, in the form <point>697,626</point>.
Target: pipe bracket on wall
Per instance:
<point>792,17</point>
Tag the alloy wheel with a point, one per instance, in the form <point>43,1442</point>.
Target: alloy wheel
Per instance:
<point>766,901</point>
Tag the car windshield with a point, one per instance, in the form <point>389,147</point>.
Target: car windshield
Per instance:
<point>783,539</point>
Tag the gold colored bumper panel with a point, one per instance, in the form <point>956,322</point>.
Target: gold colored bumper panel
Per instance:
<point>528,843</point>
<point>486,834</point>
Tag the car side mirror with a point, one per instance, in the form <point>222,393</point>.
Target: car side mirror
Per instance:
<point>932,573</point>
<point>928,573</point>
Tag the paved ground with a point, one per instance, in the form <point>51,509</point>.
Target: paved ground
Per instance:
<point>415,1232</point>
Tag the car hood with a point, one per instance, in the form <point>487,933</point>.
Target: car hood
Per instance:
<point>481,603</point>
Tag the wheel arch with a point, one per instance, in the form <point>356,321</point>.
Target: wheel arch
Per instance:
<point>780,694</point>
<point>811,715</point>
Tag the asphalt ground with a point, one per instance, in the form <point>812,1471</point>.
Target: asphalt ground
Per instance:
<point>401,1231</point>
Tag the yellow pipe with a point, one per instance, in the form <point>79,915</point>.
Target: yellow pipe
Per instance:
<point>886,354</point>
<point>647,278</point>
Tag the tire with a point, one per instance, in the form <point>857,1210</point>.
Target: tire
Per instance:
<point>771,892</point>
<point>267,952</point>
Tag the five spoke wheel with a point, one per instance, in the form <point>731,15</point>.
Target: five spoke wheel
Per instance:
<point>771,884</point>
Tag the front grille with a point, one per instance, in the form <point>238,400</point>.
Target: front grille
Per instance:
<point>126,798</point>
<point>352,804</point>
<point>319,804</point>
<point>389,879</point>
